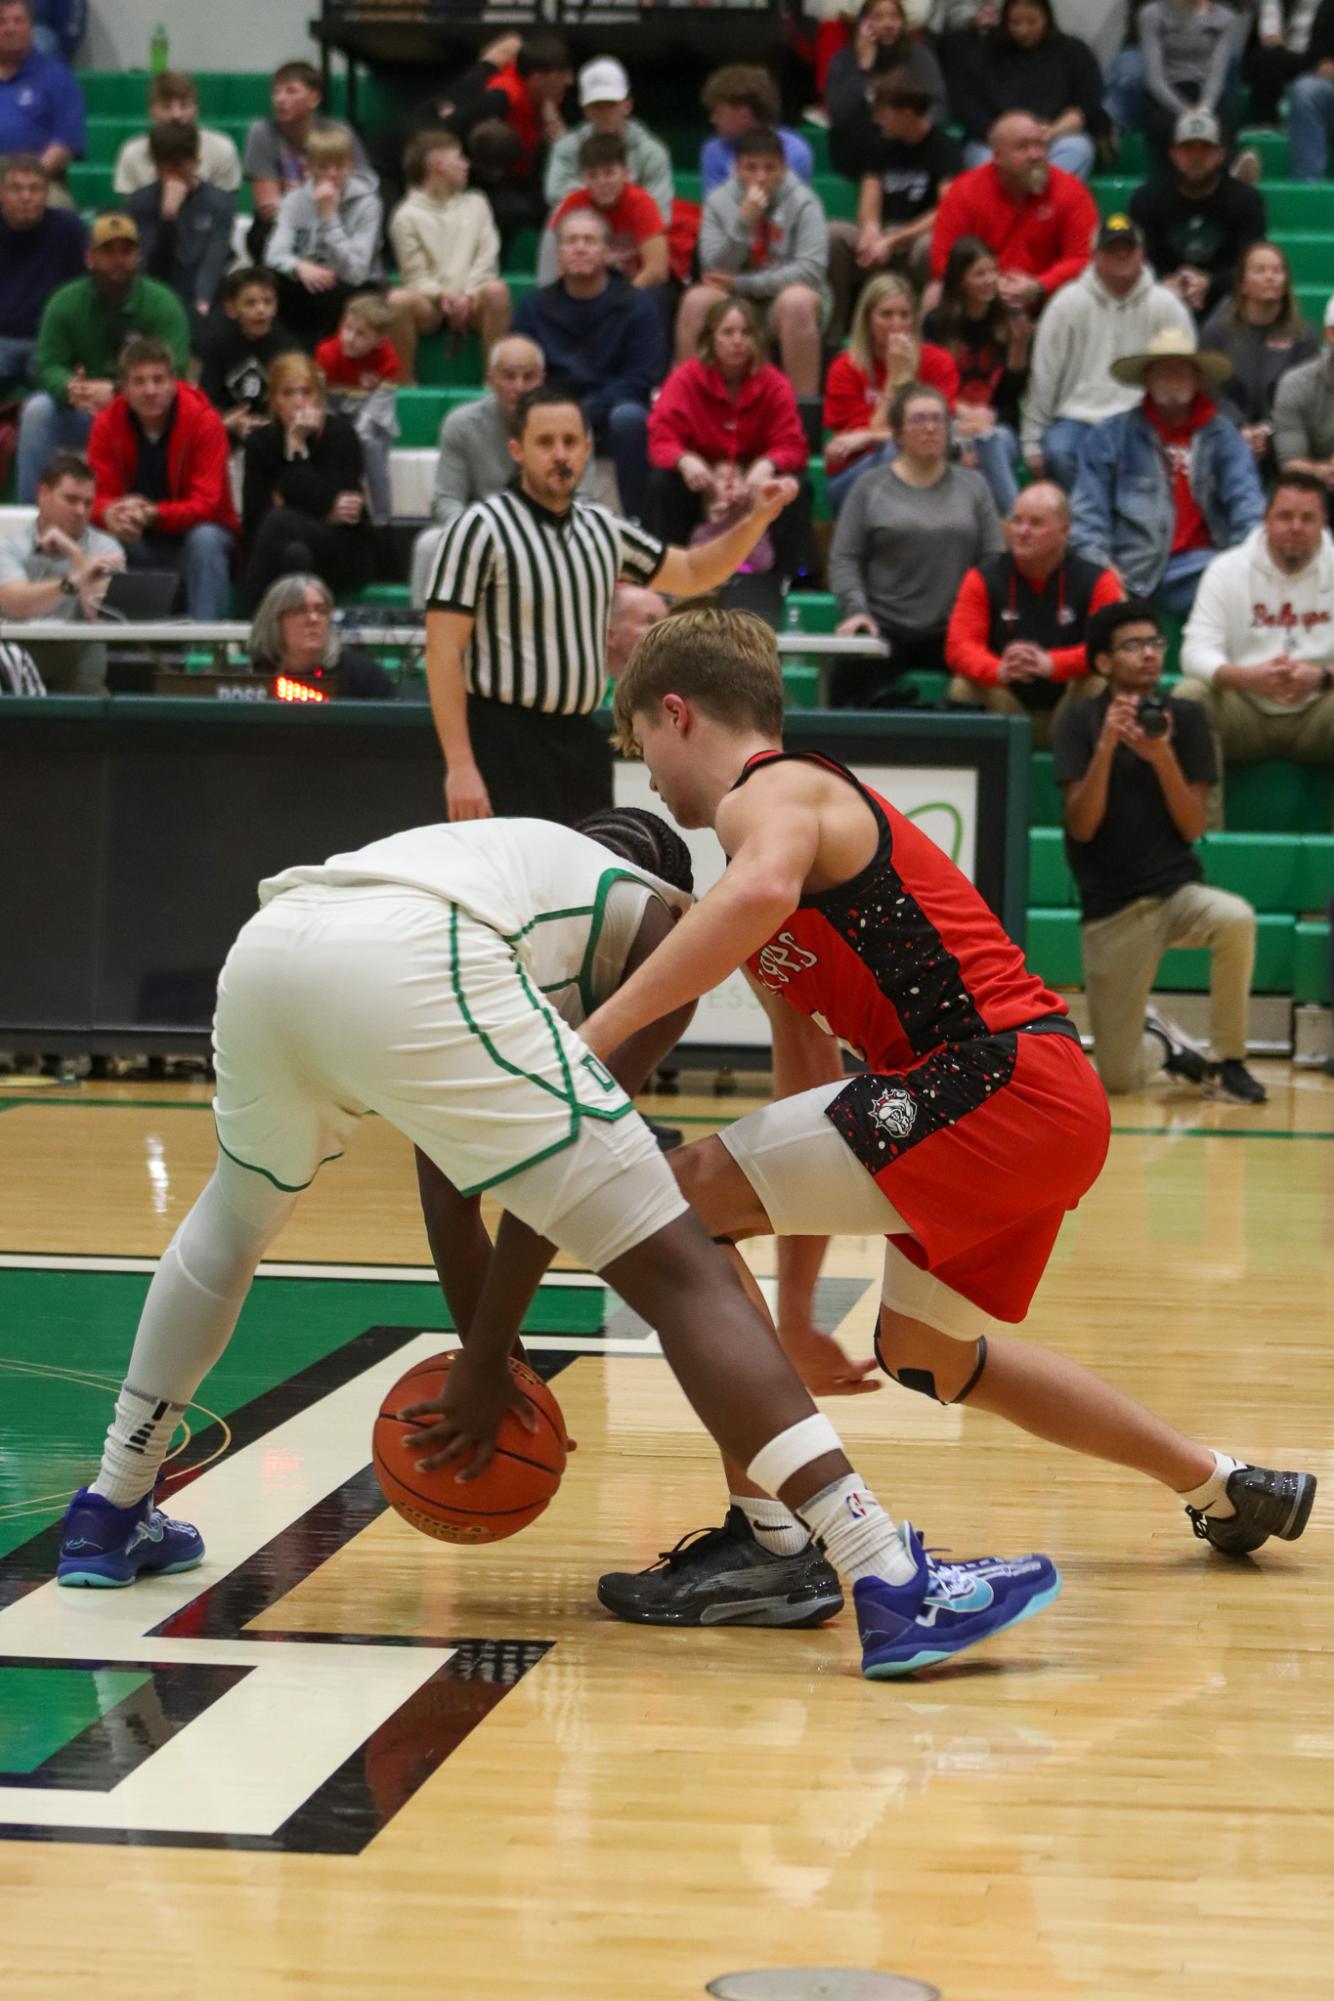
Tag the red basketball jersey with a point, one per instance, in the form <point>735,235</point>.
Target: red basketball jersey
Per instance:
<point>903,958</point>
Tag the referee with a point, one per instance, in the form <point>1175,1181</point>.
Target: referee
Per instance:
<point>517,614</point>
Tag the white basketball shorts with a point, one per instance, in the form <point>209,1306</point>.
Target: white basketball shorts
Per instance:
<point>338,1001</point>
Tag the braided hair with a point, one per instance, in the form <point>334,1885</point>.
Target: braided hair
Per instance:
<point>645,839</point>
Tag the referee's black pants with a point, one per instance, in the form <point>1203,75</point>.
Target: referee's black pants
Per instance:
<point>539,766</point>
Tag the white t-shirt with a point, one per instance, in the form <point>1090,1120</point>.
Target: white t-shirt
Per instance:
<point>570,907</point>
<point>219,163</point>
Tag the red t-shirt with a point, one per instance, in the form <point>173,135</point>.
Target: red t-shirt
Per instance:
<point>1190,530</point>
<point>364,372</point>
<point>850,395</point>
<point>633,220</point>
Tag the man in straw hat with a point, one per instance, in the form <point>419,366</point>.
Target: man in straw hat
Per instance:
<point>1163,487</point>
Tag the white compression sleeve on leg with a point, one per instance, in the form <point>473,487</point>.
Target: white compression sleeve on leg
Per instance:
<point>192,1306</point>
<point>775,1463</point>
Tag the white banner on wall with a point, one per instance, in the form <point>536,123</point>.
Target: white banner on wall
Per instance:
<point>942,802</point>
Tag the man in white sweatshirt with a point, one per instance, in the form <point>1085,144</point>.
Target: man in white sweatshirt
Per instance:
<point>1112,309</point>
<point>1259,645</point>
<point>447,248</point>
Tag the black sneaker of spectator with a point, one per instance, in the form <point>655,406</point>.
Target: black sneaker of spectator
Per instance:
<point>1185,1058</point>
<point>1234,1084</point>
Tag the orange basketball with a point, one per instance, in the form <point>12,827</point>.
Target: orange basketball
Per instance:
<point>523,1475</point>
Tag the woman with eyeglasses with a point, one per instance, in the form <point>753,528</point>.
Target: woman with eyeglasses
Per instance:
<point>294,635</point>
<point>906,538</point>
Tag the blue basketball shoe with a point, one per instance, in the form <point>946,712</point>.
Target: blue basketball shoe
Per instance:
<point>947,1607</point>
<point>109,1547</point>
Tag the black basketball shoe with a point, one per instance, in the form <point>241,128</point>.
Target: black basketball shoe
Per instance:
<point>724,1577</point>
<point>1266,1504</point>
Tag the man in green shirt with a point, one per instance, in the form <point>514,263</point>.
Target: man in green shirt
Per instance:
<point>83,329</point>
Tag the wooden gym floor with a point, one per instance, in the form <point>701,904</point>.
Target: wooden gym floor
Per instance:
<point>343,1760</point>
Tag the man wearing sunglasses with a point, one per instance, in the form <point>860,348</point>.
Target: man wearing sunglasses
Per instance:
<point>1134,768</point>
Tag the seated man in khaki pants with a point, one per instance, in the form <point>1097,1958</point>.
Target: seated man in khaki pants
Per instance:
<point>1015,643</point>
<point>1259,645</point>
<point>1135,767</point>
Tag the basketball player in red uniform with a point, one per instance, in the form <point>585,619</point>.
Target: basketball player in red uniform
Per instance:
<point>977,1124</point>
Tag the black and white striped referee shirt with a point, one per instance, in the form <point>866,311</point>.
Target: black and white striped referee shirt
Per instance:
<point>539,587</point>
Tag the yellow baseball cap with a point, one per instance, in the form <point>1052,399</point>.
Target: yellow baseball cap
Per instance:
<point>113,229</point>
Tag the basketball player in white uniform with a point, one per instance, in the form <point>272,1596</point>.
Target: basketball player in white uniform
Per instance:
<point>431,977</point>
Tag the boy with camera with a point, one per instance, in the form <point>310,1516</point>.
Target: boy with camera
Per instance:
<point>1135,767</point>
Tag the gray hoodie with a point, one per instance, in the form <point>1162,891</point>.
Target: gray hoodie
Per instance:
<point>798,240</point>
<point>1081,333</point>
<point>348,243</point>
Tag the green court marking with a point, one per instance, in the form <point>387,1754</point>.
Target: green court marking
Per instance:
<point>41,1709</point>
<point>60,1328</point>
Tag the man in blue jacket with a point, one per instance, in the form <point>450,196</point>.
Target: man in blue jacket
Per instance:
<point>1163,487</point>
<point>603,340</point>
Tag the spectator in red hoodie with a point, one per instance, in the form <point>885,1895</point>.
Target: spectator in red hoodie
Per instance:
<point>884,350</point>
<point>1037,221</point>
<point>724,423</point>
<point>159,456</point>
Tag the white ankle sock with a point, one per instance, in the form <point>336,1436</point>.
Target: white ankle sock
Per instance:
<point>773,1526</point>
<point>1211,1497</point>
<point>136,1445</point>
<point>856,1534</point>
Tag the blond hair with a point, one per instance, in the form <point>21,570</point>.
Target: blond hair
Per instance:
<point>861,347</point>
<point>285,369</point>
<point>725,662</point>
<point>373,311</point>
<point>329,146</point>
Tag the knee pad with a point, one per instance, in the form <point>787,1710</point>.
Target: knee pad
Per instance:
<point>923,1381</point>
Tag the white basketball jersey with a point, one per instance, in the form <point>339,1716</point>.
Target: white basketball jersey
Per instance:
<point>570,907</point>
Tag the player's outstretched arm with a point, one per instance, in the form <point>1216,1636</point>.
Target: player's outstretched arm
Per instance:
<point>772,849</point>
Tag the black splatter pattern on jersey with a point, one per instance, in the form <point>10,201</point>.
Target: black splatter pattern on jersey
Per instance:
<point>883,1115</point>
<point>905,955</point>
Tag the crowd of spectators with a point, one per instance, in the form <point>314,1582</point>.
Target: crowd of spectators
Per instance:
<point>1026,415</point>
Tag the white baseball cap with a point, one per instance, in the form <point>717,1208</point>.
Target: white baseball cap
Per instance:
<point>1329,313</point>
<point>603,81</point>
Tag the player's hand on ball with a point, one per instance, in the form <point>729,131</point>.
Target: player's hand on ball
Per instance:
<point>478,1391</point>
<point>824,1367</point>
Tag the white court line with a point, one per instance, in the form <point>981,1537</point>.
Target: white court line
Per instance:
<point>250,1760</point>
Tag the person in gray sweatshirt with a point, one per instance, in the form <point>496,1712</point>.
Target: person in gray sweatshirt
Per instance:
<point>1189,49</point>
<point>764,237</point>
<point>605,100</point>
<point>1112,309</point>
<point>474,445</point>
<point>906,538</point>
<point>326,242</point>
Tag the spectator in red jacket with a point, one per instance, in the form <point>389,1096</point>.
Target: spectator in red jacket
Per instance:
<point>885,349</point>
<point>159,456</point>
<point>1037,221</point>
<point>724,423</point>
<point>1015,642</point>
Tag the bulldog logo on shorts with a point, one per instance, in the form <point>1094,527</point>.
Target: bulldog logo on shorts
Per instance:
<point>896,1111</point>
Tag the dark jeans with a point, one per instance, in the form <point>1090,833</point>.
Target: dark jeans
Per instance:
<point>1269,72</point>
<point>311,317</point>
<point>288,542</point>
<point>874,684</point>
<point>542,767</point>
<point>622,433</point>
<point>672,511</point>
